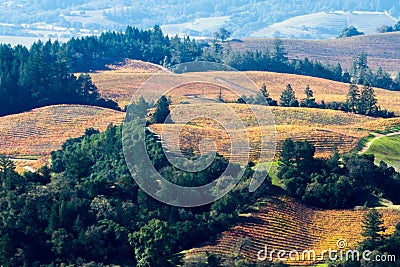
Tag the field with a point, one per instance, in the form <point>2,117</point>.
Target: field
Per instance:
<point>120,85</point>
<point>326,129</point>
<point>282,223</point>
<point>382,49</point>
<point>387,149</point>
<point>40,131</point>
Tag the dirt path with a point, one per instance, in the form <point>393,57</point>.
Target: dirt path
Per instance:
<point>377,136</point>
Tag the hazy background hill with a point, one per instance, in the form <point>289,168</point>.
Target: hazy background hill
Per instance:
<point>244,18</point>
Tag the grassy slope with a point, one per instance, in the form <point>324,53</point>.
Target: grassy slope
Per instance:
<point>388,150</point>
<point>120,85</point>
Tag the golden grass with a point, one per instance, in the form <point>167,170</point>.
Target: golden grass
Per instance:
<point>326,129</point>
<point>282,223</point>
<point>120,85</point>
<point>42,130</point>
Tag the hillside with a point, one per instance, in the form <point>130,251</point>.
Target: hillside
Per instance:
<point>382,49</point>
<point>120,85</point>
<point>42,130</point>
<point>325,25</point>
<point>326,129</point>
<point>283,223</point>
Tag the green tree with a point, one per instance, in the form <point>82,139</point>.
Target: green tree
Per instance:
<point>278,52</point>
<point>7,167</point>
<point>222,34</point>
<point>349,32</point>
<point>264,91</point>
<point>153,244</point>
<point>288,97</point>
<point>373,229</point>
<point>367,103</point>
<point>162,110</point>
<point>309,101</point>
<point>353,98</point>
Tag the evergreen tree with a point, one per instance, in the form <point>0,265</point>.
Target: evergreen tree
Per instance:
<point>353,97</point>
<point>373,229</point>
<point>162,110</point>
<point>309,101</point>
<point>288,97</point>
<point>7,167</point>
<point>264,91</point>
<point>367,103</point>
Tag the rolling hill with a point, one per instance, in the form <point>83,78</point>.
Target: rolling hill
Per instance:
<point>325,25</point>
<point>120,85</point>
<point>40,131</point>
<point>282,223</point>
<point>382,49</point>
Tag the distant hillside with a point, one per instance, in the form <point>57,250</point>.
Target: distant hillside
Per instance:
<point>326,25</point>
<point>382,49</point>
<point>190,17</point>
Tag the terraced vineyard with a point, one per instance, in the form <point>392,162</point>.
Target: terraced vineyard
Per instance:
<point>326,129</point>
<point>282,223</point>
<point>42,130</point>
<point>120,85</point>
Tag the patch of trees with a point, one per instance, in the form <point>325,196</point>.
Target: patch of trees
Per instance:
<point>394,28</point>
<point>87,210</point>
<point>339,182</point>
<point>361,102</point>
<point>350,32</point>
<point>40,76</point>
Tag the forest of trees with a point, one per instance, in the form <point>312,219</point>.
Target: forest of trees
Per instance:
<point>39,77</point>
<point>339,182</point>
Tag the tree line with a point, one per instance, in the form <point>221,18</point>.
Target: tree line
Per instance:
<point>39,77</point>
<point>357,101</point>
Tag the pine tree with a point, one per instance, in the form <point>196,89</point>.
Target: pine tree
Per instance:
<point>288,97</point>
<point>6,168</point>
<point>367,104</point>
<point>353,97</point>
<point>373,229</point>
<point>162,110</point>
<point>264,91</point>
<point>309,101</point>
